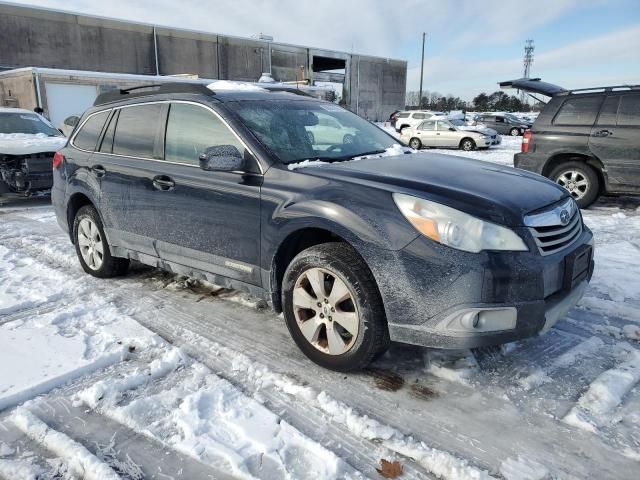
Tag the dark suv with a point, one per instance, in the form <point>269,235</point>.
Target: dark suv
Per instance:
<point>358,242</point>
<point>586,140</point>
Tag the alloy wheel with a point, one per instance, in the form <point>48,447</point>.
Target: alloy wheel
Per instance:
<point>467,145</point>
<point>575,182</point>
<point>325,310</point>
<point>415,144</point>
<point>90,243</point>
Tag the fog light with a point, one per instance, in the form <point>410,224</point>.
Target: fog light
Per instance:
<point>480,320</point>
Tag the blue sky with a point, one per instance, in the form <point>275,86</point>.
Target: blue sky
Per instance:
<point>471,44</point>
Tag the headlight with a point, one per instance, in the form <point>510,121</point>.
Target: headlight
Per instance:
<point>454,228</point>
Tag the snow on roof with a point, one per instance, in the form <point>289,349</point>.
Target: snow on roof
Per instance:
<point>14,110</point>
<point>234,86</point>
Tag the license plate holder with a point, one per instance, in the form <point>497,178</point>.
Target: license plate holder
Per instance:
<point>576,266</point>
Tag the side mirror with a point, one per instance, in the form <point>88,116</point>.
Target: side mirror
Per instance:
<point>71,121</point>
<point>452,129</point>
<point>221,158</point>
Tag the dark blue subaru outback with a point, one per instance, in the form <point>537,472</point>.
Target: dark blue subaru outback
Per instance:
<point>355,238</point>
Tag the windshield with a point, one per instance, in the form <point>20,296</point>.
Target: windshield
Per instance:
<point>29,123</point>
<point>297,130</point>
<point>512,119</point>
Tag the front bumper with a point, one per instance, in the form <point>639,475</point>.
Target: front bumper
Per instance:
<point>436,296</point>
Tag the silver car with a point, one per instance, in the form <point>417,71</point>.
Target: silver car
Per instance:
<point>443,134</point>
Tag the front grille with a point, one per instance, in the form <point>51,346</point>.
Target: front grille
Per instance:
<point>553,238</point>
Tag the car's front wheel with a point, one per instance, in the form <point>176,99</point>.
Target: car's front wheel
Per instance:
<point>415,143</point>
<point>92,247</point>
<point>580,180</point>
<point>514,132</point>
<point>333,309</point>
<point>467,145</point>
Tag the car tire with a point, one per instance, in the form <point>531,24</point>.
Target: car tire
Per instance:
<point>580,179</point>
<point>467,145</point>
<point>89,239</point>
<point>415,143</point>
<point>514,132</point>
<point>349,296</point>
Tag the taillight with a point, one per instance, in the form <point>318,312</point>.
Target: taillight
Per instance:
<point>526,140</point>
<point>58,158</point>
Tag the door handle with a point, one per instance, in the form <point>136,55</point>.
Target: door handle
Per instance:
<point>437,133</point>
<point>603,133</point>
<point>99,170</point>
<point>164,183</point>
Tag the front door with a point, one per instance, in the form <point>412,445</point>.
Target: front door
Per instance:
<point>209,220</point>
<point>446,136</point>
<point>615,140</point>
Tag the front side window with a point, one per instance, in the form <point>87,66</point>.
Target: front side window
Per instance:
<point>629,113</point>
<point>87,136</point>
<point>578,111</point>
<point>191,130</point>
<point>444,125</point>
<point>137,130</point>
<point>288,128</point>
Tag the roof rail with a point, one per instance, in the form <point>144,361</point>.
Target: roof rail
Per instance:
<point>603,89</point>
<point>155,89</point>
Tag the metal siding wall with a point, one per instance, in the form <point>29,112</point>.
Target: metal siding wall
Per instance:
<point>182,53</point>
<point>242,60</point>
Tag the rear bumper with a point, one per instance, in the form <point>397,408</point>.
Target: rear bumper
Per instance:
<point>435,296</point>
<point>530,161</point>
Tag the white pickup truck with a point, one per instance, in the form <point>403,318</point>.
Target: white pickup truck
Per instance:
<point>28,142</point>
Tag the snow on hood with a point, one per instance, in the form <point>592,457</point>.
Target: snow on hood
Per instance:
<point>27,143</point>
<point>393,150</point>
<point>478,128</point>
<point>234,86</point>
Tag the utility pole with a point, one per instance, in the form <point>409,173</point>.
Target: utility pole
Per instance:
<point>421,72</point>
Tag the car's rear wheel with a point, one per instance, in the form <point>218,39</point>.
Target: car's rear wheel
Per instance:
<point>514,132</point>
<point>580,180</point>
<point>467,144</point>
<point>92,247</point>
<point>415,143</point>
<point>333,309</point>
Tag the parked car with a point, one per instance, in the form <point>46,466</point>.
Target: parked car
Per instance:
<point>443,134</point>
<point>329,131</point>
<point>461,124</point>
<point>227,186</point>
<point>412,118</point>
<point>503,124</point>
<point>28,142</point>
<point>586,140</point>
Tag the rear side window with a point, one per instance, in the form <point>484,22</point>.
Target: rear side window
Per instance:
<point>136,130</point>
<point>107,139</point>
<point>609,111</point>
<point>578,111</point>
<point>87,136</point>
<point>419,116</point>
<point>428,125</point>
<point>629,112</point>
<point>191,130</point>
<point>403,115</point>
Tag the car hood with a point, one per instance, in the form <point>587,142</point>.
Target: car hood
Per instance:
<point>478,129</point>
<point>26,144</point>
<point>492,192</point>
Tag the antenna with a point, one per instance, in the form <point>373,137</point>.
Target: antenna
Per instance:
<point>526,62</point>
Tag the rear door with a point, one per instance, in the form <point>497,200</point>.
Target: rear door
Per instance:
<point>207,220</point>
<point>126,163</point>
<point>615,140</point>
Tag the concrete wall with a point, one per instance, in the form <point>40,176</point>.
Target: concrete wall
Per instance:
<point>18,91</point>
<point>43,38</point>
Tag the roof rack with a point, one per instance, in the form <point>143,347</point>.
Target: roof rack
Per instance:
<point>156,89</point>
<point>603,89</point>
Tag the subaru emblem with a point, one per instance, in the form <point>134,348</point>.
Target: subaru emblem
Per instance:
<point>564,217</point>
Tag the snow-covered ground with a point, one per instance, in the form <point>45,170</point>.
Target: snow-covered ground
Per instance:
<point>157,376</point>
